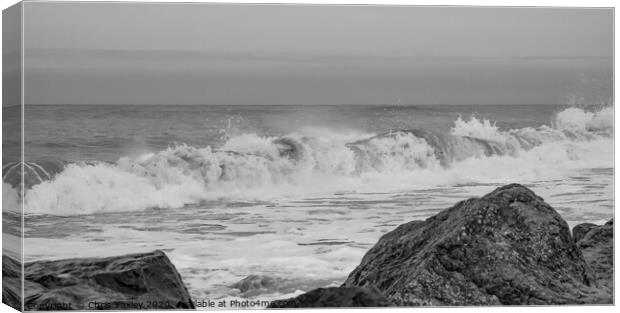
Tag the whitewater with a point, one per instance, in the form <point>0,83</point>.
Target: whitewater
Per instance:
<point>314,162</point>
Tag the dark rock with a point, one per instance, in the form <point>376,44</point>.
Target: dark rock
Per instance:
<point>580,230</point>
<point>136,281</point>
<point>254,285</point>
<point>11,282</point>
<point>597,248</point>
<point>253,282</point>
<point>508,247</point>
<point>334,297</point>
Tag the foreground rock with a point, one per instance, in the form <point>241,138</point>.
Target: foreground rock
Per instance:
<point>11,283</point>
<point>597,248</point>
<point>335,297</point>
<point>137,281</point>
<point>508,247</point>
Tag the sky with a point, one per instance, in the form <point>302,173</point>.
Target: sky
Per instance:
<point>158,53</point>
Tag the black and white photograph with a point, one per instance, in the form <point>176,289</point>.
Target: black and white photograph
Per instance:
<point>224,156</point>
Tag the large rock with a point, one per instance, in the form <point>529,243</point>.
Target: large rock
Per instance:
<point>11,283</point>
<point>508,247</point>
<point>597,247</point>
<point>334,297</point>
<point>136,281</point>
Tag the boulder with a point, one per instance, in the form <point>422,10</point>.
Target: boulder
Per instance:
<point>335,297</point>
<point>508,247</point>
<point>11,282</point>
<point>580,230</point>
<point>597,248</point>
<point>135,281</point>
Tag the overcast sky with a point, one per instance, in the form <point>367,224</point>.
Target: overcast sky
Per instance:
<point>157,53</point>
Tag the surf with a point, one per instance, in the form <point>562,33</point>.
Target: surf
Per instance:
<point>318,162</point>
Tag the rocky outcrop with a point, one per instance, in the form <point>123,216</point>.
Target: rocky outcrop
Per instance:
<point>335,297</point>
<point>11,283</point>
<point>597,248</point>
<point>136,281</point>
<point>508,247</point>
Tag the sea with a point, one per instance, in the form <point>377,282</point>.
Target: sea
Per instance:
<point>292,196</point>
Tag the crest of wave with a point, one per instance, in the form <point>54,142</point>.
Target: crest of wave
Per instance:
<point>170,178</point>
<point>568,124</point>
<point>249,166</point>
<point>246,167</point>
<point>477,128</point>
<point>580,120</point>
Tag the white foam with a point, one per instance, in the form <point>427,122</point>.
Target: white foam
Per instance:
<point>474,127</point>
<point>575,119</point>
<point>249,166</point>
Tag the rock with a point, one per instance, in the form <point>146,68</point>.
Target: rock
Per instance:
<point>254,285</point>
<point>580,230</point>
<point>11,283</point>
<point>253,282</point>
<point>334,297</point>
<point>597,248</point>
<point>508,247</point>
<point>136,281</point>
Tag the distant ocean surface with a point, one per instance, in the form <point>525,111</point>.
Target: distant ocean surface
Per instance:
<point>294,193</point>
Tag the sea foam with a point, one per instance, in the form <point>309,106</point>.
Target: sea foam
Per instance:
<point>323,162</point>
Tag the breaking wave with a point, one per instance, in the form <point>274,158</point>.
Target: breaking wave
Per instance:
<point>325,162</point>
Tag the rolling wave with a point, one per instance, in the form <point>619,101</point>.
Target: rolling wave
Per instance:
<point>261,167</point>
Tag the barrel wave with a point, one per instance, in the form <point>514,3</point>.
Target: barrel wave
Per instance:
<point>249,166</point>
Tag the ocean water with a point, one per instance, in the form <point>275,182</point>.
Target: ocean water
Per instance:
<point>294,193</point>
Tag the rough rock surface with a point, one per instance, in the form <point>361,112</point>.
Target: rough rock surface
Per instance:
<point>508,247</point>
<point>597,248</point>
<point>334,297</point>
<point>580,230</point>
<point>136,281</point>
<point>11,283</point>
